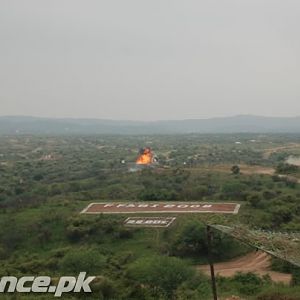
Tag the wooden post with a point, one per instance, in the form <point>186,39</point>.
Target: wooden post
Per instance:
<point>210,260</point>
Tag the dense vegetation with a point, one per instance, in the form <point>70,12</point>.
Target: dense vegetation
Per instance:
<point>46,181</point>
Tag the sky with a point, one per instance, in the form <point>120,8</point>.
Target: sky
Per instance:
<point>149,60</point>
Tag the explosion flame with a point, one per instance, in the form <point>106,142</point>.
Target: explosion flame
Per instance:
<point>146,157</point>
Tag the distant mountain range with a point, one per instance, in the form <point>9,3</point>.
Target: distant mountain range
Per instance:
<point>237,124</point>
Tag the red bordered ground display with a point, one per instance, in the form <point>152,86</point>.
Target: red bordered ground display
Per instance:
<point>160,207</point>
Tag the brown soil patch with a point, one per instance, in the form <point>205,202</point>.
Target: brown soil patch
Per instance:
<point>256,262</point>
<point>245,169</point>
<point>269,151</point>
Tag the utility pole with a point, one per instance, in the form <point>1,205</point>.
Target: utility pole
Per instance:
<point>210,261</point>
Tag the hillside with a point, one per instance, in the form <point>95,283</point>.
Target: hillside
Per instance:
<point>45,182</point>
<point>236,124</point>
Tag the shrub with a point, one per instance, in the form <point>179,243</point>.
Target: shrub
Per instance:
<point>105,287</point>
<point>192,240</point>
<point>161,273</point>
<point>83,260</point>
<point>248,283</point>
<point>234,189</point>
<point>284,168</point>
<point>295,276</point>
<point>255,200</point>
<point>235,170</point>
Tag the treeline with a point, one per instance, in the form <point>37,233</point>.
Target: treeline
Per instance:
<point>274,199</point>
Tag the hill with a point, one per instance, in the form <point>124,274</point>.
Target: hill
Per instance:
<point>236,124</point>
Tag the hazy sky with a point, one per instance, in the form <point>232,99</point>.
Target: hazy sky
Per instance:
<point>149,60</point>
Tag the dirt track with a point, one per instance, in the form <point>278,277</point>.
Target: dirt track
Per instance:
<point>248,170</point>
<point>257,262</point>
<point>245,169</point>
<point>268,152</point>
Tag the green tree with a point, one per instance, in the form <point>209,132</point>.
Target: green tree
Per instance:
<point>235,170</point>
<point>82,259</point>
<point>162,274</point>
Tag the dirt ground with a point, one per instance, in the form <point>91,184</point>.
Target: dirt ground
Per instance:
<point>268,152</point>
<point>248,170</point>
<point>245,169</point>
<point>257,262</point>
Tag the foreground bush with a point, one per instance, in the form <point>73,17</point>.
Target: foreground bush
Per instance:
<point>162,274</point>
<point>83,260</point>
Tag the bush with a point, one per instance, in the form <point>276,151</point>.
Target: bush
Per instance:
<point>80,229</point>
<point>281,214</point>
<point>268,195</point>
<point>284,168</point>
<point>235,170</point>
<point>248,283</point>
<point>192,240</point>
<point>3,253</point>
<point>198,288</point>
<point>105,287</point>
<point>295,276</point>
<point>255,200</point>
<point>162,274</point>
<point>83,260</point>
<point>276,296</point>
<point>234,189</point>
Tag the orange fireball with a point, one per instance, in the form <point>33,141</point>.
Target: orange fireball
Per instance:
<point>145,157</point>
